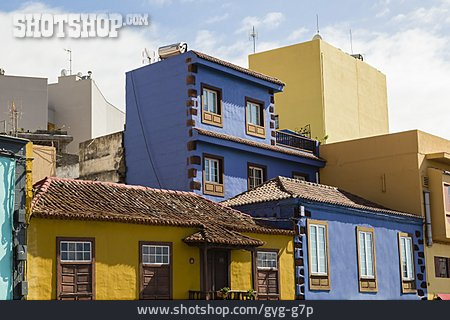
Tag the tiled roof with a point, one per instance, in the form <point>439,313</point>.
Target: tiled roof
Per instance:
<point>238,68</point>
<point>281,188</point>
<point>290,151</point>
<point>58,198</point>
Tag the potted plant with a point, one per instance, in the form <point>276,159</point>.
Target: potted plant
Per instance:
<point>224,293</point>
<point>251,294</point>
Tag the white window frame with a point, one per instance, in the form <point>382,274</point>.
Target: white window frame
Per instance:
<point>206,101</point>
<point>258,115</point>
<point>407,258</point>
<point>366,234</point>
<point>162,255</point>
<point>325,258</point>
<point>272,255</point>
<point>253,169</point>
<point>75,251</point>
<point>209,170</point>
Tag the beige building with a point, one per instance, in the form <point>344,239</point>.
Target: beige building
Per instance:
<point>337,95</point>
<point>407,171</point>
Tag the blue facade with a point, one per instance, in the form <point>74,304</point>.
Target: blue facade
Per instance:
<point>342,245</point>
<point>12,200</point>
<point>163,147</point>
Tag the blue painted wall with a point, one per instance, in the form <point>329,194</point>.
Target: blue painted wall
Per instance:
<point>7,182</point>
<point>342,223</point>
<point>160,124</point>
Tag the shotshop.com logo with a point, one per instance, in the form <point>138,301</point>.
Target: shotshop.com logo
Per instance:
<point>83,25</point>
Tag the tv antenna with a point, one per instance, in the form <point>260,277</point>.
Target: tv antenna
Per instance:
<point>351,41</point>
<point>70,60</point>
<point>317,35</point>
<point>253,36</point>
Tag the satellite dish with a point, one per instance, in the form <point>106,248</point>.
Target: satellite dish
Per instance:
<point>63,72</point>
<point>172,50</point>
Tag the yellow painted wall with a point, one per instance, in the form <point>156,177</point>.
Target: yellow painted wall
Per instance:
<point>29,178</point>
<point>44,162</point>
<point>116,257</point>
<point>358,166</point>
<point>338,95</point>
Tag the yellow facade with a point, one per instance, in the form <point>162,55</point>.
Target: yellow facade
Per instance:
<point>394,170</point>
<point>340,97</point>
<point>117,258</point>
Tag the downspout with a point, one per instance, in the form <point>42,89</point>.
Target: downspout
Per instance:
<point>429,234</point>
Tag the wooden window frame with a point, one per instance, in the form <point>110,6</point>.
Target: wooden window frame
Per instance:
<point>321,282</point>
<point>367,284</point>
<point>252,129</point>
<point>408,286</point>
<point>437,273</point>
<point>210,188</point>
<point>257,166</point>
<point>446,197</point>
<point>141,265</point>
<point>59,263</point>
<point>255,270</point>
<point>211,118</point>
<point>298,173</point>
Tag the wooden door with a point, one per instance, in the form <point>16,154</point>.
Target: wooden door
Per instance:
<point>267,284</point>
<point>156,271</point>
<point>76,282</point>
<point>218,269</point>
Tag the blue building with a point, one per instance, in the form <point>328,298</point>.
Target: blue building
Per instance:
<point>197,123</point>
<point>345,247</point>
<point>12,217</point>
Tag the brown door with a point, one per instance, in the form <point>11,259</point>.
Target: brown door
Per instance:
<point>76,282</point>
<point>267,285</point>
<point>155,271</point>
<point>218,269</point>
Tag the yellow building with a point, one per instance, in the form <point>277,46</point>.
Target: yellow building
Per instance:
<point>337,95</point>
<point>401,171</point>
<point>98,240</point>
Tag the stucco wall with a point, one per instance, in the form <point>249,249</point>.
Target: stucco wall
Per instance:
<point>44,162</point>
<point>7,182</point>
<point>338,95</point>
<point>116,257</point>
<point>30,97</point>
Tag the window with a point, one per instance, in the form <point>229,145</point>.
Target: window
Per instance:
<point>256,175</point>
<point>277,121</point>
<point>406,251</point>
<point>442,267</point>
<point>75,251</point>
<point>255,118</point>
<point>152,254</point>
<point>447,197</point>
<point>267,278</point>
<point>75,269</point>
<point>366,259</point>
<point>267,259</point>
<point>213,175</point>
<point>300,176</point>
<point>211,105</point>
<point>318,255</point>
<point>155,270</point>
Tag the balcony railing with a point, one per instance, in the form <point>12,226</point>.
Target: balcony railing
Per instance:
<point>217,295</point>
<point>296,141</point>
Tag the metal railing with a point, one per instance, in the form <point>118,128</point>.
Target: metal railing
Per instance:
<point>296,141</point>
<point>217,295</point>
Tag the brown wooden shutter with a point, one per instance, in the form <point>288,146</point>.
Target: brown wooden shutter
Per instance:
<point>75,281</point>
<point>267,284</point>
<point>155,282</point>
<point>437,266</point>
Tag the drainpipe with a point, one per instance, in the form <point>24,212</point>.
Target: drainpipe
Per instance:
<point>426,196</point>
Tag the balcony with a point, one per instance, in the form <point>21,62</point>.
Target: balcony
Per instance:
<point>286,138</point>
<point>217,295</point>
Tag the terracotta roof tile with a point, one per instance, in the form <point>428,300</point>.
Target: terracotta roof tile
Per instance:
<point>281,188</point>
<point>298,153</point>
<point>58,198</point>
<point>238,68</point>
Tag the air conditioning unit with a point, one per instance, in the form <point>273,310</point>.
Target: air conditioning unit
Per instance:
<point>172,50</point>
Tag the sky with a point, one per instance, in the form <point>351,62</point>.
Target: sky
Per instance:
<point>409,41</point>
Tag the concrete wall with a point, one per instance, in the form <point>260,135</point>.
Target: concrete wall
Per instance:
<point>80,108</point>
<point>103,158</point>
<point>7,182</point>
<point>338,95</point>
<point>30,97</point>
<point>343,267</point>
<point>70,171</point>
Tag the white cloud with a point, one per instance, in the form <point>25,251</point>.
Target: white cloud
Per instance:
<point>108,59</point>
<point>270,21</point>
<point>159,3</point>
<point>297,34</point>
<point>218,18</point>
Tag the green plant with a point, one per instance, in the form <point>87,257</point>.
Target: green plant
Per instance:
<point>225,291</point>
<point>251,294</point>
